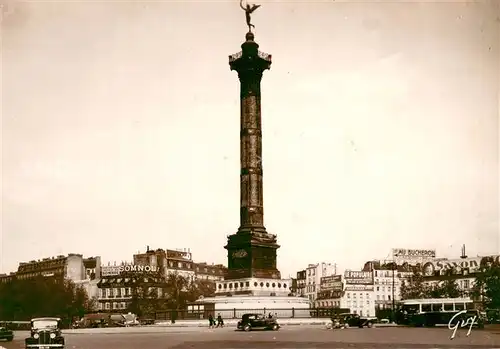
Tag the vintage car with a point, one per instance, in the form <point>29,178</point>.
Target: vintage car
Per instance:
<point>45,333</point>
<point>249,322</point>
<point>351,320</point>
<point>6,334</point>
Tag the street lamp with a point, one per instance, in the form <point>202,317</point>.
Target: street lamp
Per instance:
<point>393,284</point>
<point>393,301</point>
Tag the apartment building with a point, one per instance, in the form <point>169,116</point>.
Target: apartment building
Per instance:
<point>150,270</point>
<point>300,289</point>
<point>314,273</point>
<point>358,295</point>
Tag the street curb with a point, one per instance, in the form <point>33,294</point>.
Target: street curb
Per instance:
<point>146,329</point>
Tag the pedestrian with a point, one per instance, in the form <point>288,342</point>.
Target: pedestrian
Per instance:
<point>211,321</point>
<point>220,321</point>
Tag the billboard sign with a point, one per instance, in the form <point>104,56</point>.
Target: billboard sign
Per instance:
<point>358,277</point>
<point>118,269</point>
<point>179,255</point>
<point>410,253</point>
<point>471,264</point>
<point>333,282</point>
<point>330,294</point>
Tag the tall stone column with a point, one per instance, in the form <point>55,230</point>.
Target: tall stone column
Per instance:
<point>250,64</point>
<point>251,251</point>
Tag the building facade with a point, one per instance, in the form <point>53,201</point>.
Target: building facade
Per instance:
<point>331,292</point>
<point>387,285</point>
<point>150,269</point>
<point>358,295</point>
<point>180,262</point>
<point>115,292</point>
<point>71,267</point>
<point>314,273</point>
<point>83,272</point>
<point>300,290</point>
<point>462,271</point>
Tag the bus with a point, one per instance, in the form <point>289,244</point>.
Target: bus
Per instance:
<point>438,311</point>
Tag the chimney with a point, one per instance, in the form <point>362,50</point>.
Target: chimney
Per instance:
<point>147,248</point>
<point>463,256</point>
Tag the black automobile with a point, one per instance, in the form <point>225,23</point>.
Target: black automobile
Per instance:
<point>249,322</point>
<point>45,334</point>
<point>6,334</point>
<point>354,320</point>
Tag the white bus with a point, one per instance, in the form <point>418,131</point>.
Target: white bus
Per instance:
<point>434,311</point>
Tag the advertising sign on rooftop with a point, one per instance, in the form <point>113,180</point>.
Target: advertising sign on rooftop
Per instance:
<point>184,255</point>
<point>118,269</point>
<point>358,277</point>
<point>470,264</point>
<point>410,253</point>
<point>333,282</point>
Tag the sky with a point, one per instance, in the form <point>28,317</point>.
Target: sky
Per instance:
<point>120,128</point>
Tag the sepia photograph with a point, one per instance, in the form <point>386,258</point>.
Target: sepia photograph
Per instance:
<point>250,174</point>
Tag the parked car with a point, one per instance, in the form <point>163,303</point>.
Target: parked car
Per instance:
<point>6,334</point>
<point>249,322</point>
<point>352,320</point>
<point>45,333</point>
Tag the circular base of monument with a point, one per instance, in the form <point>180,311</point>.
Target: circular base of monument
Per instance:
<point>236,306</point>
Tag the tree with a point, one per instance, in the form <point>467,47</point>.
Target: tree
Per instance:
<point>145,298</point>
<point>22,299</point>
<point>414,287</point>
<point>177,291</point>
<point>450,289</point>
<point>487,286</point>
<point>199,288</point>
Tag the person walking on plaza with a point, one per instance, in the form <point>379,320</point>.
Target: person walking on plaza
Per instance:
<point>220,321</point>
<point>211,321</point>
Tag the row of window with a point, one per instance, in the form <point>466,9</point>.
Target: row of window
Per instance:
<point>184,265</point>
<point>311,288</point>
<point>354,295</point>
<point>388,273</point>
<point>355,304</point>
<point>41,265</point>
<point>326,304</point>
<point>44,273</point>
<point>383,297</point>
<point>386,282</point>
<point>247,284</point>
<point>389,289</point>
<point>113,305</point>
<point>115,292</point>
<point>309,273</point>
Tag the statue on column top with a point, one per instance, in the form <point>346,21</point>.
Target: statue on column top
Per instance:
<point>248,11</point>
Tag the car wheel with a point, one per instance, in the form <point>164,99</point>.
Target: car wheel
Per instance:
<point>247,328</point>
<point>370,325</point>
<point>346,326</point>
<point>9,339</point>
<point>275,327</point>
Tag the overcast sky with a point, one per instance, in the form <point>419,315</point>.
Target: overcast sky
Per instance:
<point>120,128</point>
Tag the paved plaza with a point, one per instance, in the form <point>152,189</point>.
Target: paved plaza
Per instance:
<point>288,337</point>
